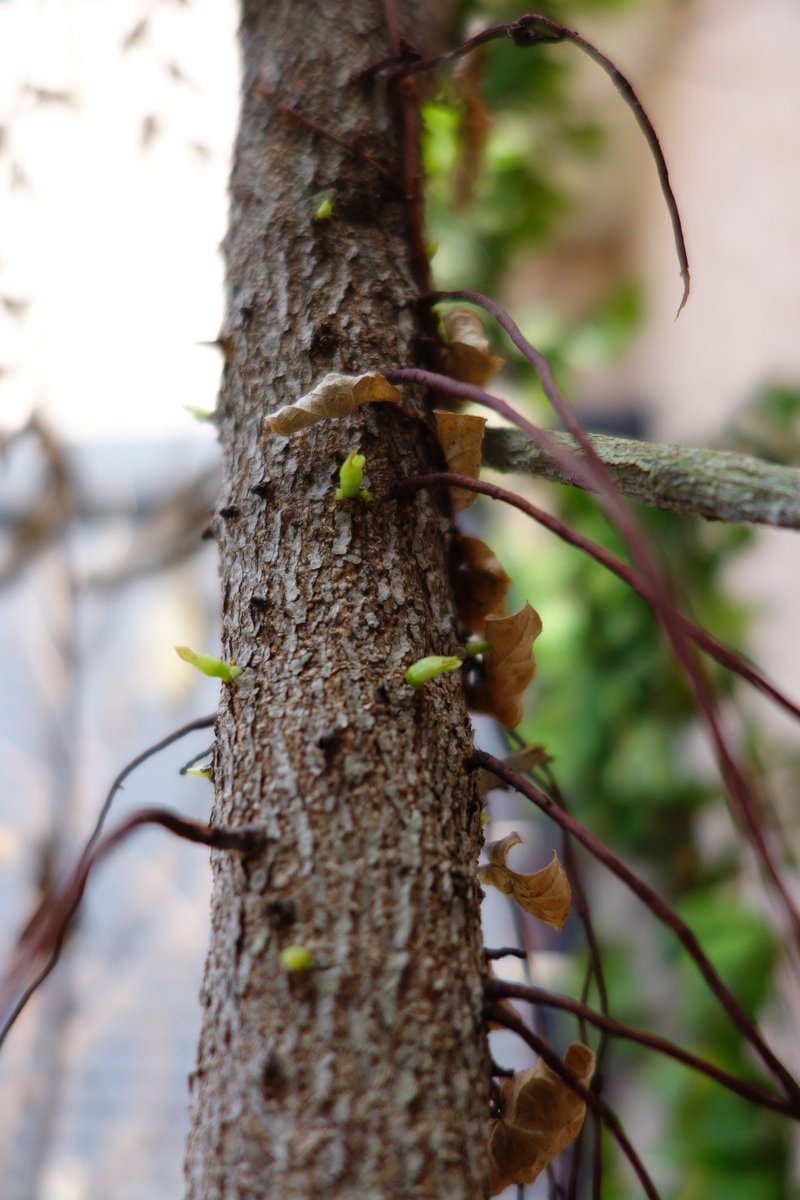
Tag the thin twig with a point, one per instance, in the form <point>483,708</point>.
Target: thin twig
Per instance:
<point>503,1016</point>
<point>48,935</point>
<point>535,30</point>
<point>266,93</point>
<point>190,727</point>
<point>497,989</point>
<point>657,906</point>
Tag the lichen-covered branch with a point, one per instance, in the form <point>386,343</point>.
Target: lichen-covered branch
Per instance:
<point>715,484</point>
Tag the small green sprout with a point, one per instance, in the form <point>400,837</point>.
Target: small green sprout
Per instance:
<point>324,210</point>
<point>201,414</point>
<point>209,665</point>
<point>485,819</point>
<point>351,473</point>
<point>296,959</point>
<point>428,668</point>
<point>200,772</point>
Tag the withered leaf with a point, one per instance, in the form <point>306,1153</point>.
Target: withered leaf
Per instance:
<point>541,1116</point>
<point>546,894</point>
<point>334,396</point>
<point>481,584</point>
<point>510,665</point>
<point>461,437</point>
<point>468,358</point>
<point>522,761</point>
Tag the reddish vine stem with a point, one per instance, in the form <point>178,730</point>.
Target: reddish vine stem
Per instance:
<point>190,727</point>
<point>261,89</point>
<point>48,936</point>
<point>500,989</point>
<point>617,566</point>
<point>657,906</point>
<point>206,722</point>
<point>655,591</point>
<point>502,1016</point>
<point>532,30</point>
<point>743,803</point>
<point>581,906</point>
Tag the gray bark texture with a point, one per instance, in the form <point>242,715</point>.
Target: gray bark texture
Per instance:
<point>368,1078</point>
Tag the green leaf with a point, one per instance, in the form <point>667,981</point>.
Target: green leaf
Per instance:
<point>209,665</point>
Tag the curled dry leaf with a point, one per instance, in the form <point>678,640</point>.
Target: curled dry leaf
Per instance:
<point>480,583</point>
<point>522,761</point>
<point>468,357</point>
<point>510,665</point>
<point>541,1116</point>
<point>461,436</point>
<point>334,396</point>
<point>546,894</point>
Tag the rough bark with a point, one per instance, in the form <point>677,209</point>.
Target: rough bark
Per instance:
<point>368,1078</point>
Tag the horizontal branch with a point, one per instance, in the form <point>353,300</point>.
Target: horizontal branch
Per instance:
<point>717,485</point>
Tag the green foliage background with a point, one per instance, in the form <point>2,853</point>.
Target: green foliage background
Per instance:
<point>608,703</point>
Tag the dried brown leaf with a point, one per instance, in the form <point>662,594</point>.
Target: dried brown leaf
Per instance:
<point>334,396</point>
<point>461,436</point>
<point>546,894</point>
<point>522,762</point>
<point>541,1116</point>
<point>510,665</point>
<point>480,583</point>
<point>468,358</point>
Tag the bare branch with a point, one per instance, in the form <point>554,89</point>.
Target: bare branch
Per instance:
<point>717,485</point>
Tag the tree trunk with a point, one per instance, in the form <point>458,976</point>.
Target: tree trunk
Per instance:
<point>367,1078</point>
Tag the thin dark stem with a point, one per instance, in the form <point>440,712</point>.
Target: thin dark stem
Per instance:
<point>706,641</point>
<point>196,758</point>
<point>743,804</point>
<point>575,1165</point>
<point>597,1157</point>
<point>534,30</point>
<point>48,935</point>
<point>496,989</point>
<point>504,952</point>
<point>286,110</point>
<point>657,906</point>
<point>677,628</point>
<point>503,1016</point>
<point>190,727</point>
